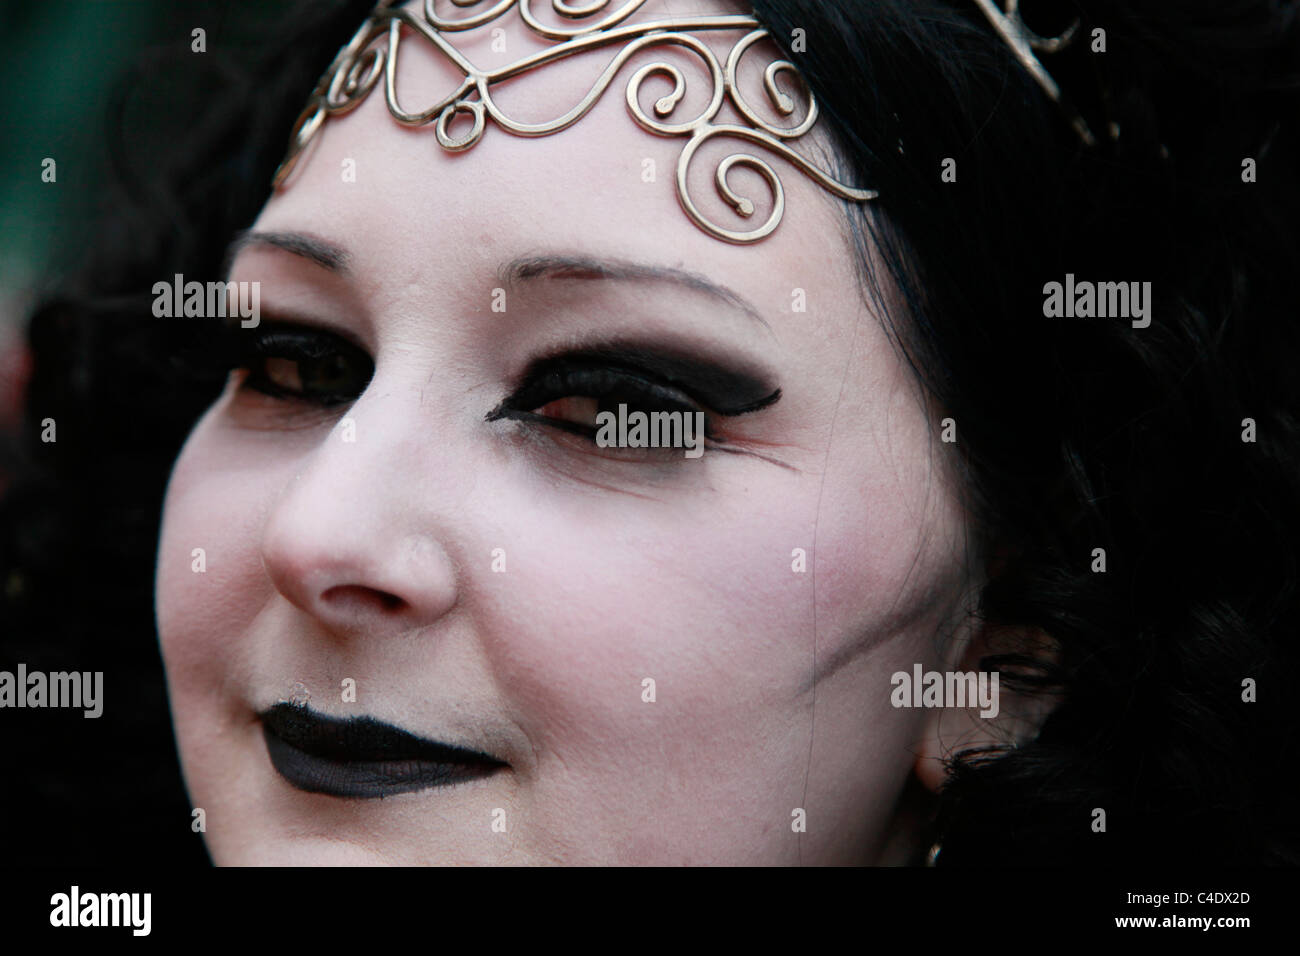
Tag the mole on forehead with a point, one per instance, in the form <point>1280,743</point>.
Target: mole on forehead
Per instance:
<point>370,59</point>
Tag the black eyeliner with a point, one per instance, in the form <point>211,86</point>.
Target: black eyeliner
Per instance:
<point>724,391</point>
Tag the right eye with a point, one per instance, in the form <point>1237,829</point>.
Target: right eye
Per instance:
<point>302,364</point>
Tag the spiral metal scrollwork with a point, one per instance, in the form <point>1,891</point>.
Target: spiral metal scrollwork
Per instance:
<point>373,52</point>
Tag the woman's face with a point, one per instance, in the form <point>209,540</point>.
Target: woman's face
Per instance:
<point>382,549</point>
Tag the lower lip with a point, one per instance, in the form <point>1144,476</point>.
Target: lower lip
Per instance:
<point>366,779</point>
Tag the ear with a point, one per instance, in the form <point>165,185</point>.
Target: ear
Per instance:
<point>1007,717</point>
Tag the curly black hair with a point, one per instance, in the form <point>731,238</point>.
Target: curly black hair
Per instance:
<point>1170,669</point>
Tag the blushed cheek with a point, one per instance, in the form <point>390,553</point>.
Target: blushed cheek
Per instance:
<point>891,552</point>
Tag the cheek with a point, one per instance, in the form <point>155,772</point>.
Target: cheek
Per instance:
<point>623,585</point>
<point>728,599</point>
<point>708,593</point>
<point>695,594</point>
<point>215,501</point>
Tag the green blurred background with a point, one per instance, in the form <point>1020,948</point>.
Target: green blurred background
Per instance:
<point>57,64</point>
<point>61,65</point>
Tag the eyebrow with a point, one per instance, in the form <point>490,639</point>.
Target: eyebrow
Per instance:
<point>594,268</point>
<point>554,266</point>
<point>324,254</point>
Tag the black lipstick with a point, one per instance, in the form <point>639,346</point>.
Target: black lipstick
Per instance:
<point>361,756</point>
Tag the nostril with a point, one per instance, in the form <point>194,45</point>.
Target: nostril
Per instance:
<point>352,597</point>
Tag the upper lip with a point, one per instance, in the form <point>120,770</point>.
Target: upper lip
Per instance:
<point>362,756</point>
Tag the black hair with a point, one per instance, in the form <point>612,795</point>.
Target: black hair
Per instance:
<point>1083,434</point>
<point>1072,434</point>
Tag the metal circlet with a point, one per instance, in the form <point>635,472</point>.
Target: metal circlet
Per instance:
<point>1024,44</point>
<point>358,66</point>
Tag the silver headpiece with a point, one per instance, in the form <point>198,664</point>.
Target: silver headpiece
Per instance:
<point>372,54</point>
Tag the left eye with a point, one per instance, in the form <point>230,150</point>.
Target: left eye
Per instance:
<point>571,398</point>
<point>305,365</point>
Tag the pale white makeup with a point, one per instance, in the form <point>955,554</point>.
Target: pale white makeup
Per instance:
<point>373,559</point>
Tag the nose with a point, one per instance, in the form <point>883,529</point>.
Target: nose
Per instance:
<point>349,542</point>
